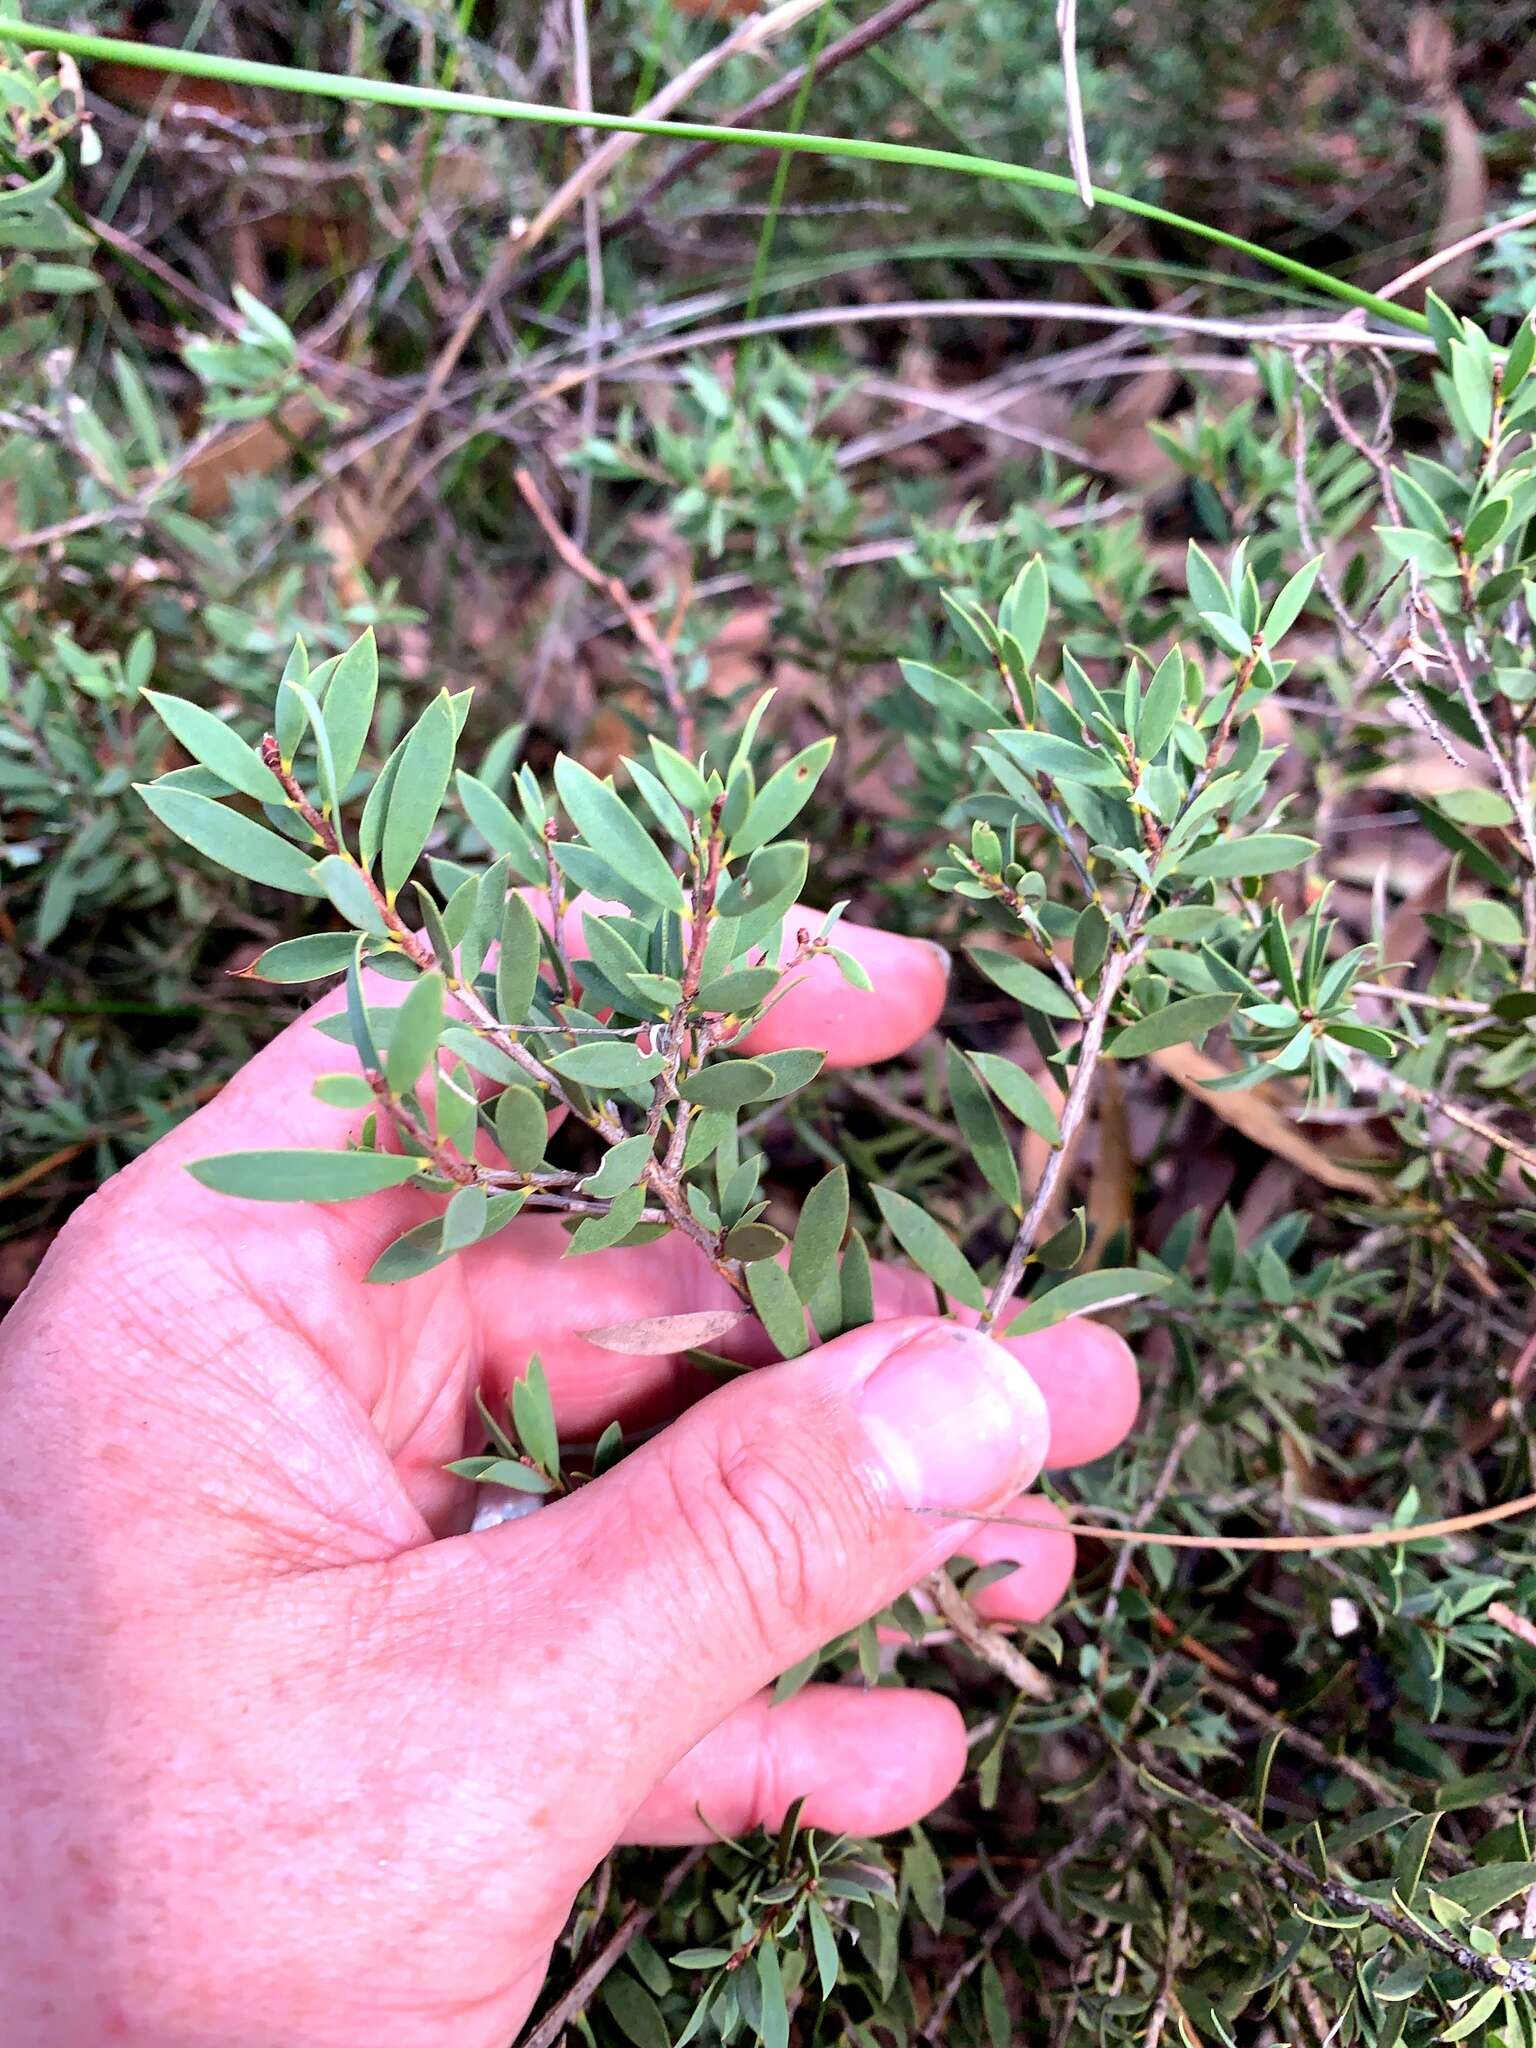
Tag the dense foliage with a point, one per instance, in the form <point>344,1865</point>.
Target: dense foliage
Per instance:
<point>1194,717</point>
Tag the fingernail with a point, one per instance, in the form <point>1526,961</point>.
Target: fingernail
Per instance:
<point>957,1421</point>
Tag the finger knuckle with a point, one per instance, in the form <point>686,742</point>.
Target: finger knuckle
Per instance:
<point>756,1520</point>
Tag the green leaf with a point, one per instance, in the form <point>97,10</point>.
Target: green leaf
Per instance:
<point>954,699</point>
<point>1486,525</point>
<point>688,787</point>
<point>413,1042</point>
<point>306,959</point>
<point>1474,387</point>
<point>500,1472</point>
<point>1486,2003</point>
<point>502,832</point>
<point>1027,985</point>
<point>636,2012</point>
<point>1086,1291</point>
<point>1229,634</point>
<point>737,992</point>
<point>1412,1855</point>
<point>1046,753</point>
<point>752,1242</point>
<point>982,1129</point>
<point>1161,705</point>
<point>1482,1890</point>
<point>413,1253</point>
<point>517,963</point>
<point>856,1285</point>
<point>1404,1981</point>
<point>820,1232</point>
<point>824,1948</point>
<point>929,1247</point>
<point>348,705</point>
<point>923,1875</point>
<point>1263,853</point>
<point>465,1218</point>
<point>1428,553</point>
<point>522,1128</point>
<point>608,1063</point>
<point>420,784</point>
<point>772,873</point>
<point>344,883</point>
<point>1022,613</point>
<point>779,1308</point>
<point>774,2025</point>
<point>1475,806</point>
<point>1495,923</point>
<point>1019,1093</point>
<point>344,1091</point>
<point>994,2006</point>
<point>1184,1022</point>
<point>794,1068</point>
<point>782,798</point>
<point>302,1176</point>
<point>1206,585</point>
<point>234,841</point>
<point>728,1084</point>
<point>218,746</point>
<point>357,1023</point>
<point>1286,609</point>
<point>606,824</point>
<point>533,1416</point>
<point>598,1233</point>
<point>621,1167</point>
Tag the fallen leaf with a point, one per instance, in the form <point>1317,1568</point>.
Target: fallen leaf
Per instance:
<point>1259,1115</point>
<point>659,1336</point>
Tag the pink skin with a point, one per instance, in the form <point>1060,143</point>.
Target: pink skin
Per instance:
<point>289,1757</point>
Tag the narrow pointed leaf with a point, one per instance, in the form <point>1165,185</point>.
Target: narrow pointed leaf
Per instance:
<point>413,1042</point>
<point>929,1246</point>
<point>301,1176</point>
<point>420,783</point>
<point>218,746</point>
<point>348,705</point>
<point>1019,1093</point>
<point>608,827</point>
<point>234,841</point>
<point>517,962</point>
<point>1184,1022</point>
<point>1086,1291</point>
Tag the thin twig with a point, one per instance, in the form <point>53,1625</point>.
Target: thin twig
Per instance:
<point>1441,257</point>
<point>592,239</point>
<point>608,1957</point>
<point>390,491</point>
<point>1106,1818</point>
<point>1361,1539</point>
<point>990,1644</point>
<point>1077,139</point>
<point>636,617</point>
<point>885,21</point>
<point>1074,1109</point>
<point>1512,1976</point>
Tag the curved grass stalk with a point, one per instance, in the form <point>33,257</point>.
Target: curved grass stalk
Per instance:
<point>437,100</point>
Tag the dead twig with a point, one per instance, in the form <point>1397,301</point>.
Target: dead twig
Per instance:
<point>1077,139</point>
<point>608,1958</point>
<point>636,618</point>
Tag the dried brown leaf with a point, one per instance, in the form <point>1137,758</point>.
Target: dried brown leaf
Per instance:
<point>660,1336</point>
<point>1259,1115</point>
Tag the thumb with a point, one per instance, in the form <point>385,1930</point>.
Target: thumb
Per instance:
<point>785,1508</point>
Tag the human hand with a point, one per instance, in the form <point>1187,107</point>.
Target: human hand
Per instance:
<point>291,1758</point>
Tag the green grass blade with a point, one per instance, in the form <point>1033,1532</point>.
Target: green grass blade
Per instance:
<point>433,99</point>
